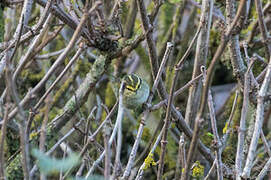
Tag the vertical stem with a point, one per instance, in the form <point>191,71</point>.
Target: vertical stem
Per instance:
<point>166,126</point>
<point>263,28</point>
<point>218,53</point>
<point>181,160</point>
<point>2,142</point>
<point>242,127</point>
<point>200,59</point>
<point>217,141</point>
<point>106,133</point>
<point>192,148</point>
<point>258,122</point>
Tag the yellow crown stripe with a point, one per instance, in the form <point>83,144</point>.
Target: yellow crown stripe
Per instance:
<point>134,83</point>
<point>138,82</point>
<point>131,79</point>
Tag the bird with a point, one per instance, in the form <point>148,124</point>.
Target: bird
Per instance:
<point>136,91</point>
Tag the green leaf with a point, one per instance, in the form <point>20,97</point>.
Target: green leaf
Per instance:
<point>48,165</point>
<point>210,134</point>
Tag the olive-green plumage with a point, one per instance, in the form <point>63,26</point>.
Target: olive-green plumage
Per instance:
<point>136,91</point>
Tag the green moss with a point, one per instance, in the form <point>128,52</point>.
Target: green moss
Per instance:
<point>171,153</point>
<point>150,7</point>
<point>165,18</point>
<point>172,148</point>
<point>59,44</point>
<point>97,69</point>
<point>29,78</point>
<point>261,155</point>
<point>62,90</point>
<point>12,141</point>
<point>169,77</point>
<point>2,25</point>
<point>71,105</point>
<point>143,56</point>
<point>124,12</point>
<point>228,155</point>
<point>81,68</point>
<point>258,67</point>
<point>110,98</point>
<point>14,169</point>
<point>146,135</point>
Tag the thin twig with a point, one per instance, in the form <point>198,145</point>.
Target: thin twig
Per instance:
<point>265,143</point>
<point>258,122</point>
<point>165,128</point>
<point>263,28</point>
<point>217,142</point>
<point>140,172</point>
<point>211,170</point>
<point>228,123</point>
<point>113,134</point>
<point>218,53</point>
<point>242,127</point>
<point>2,141</point>
<point>43,131</point>
<point>117,166</point>
<point>202,49</point>
<point>181,160</point>
<point>264,170</point>
<point>176,93</point>
<point>35,29</point>
<point>35,167</point>
<point>74,58</point>
<point>48,55</point>
<point>256,23</point>
<point>106,134</point>
<point>29,54</point>
<point>148,146</point>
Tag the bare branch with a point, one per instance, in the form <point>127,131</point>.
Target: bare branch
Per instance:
<point>258,123</point>
<point>263,29</point>
<point>217,142</point>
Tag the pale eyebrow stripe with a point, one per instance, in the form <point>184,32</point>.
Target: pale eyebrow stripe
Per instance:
<point>130,77</point>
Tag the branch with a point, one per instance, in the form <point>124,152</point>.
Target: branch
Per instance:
<point>217,142</point>
<point>258,122</point>
<point>166,127</point>
<point>263,29</point>
<point>2,142</point>
<point>200,60</point>
<point>264,170</point>
<point>59,60</point>
<point>241,11</point>
<point>113,134</point>
<point>237,61</point>
<point>242,127</point>
<point>30,53</point>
